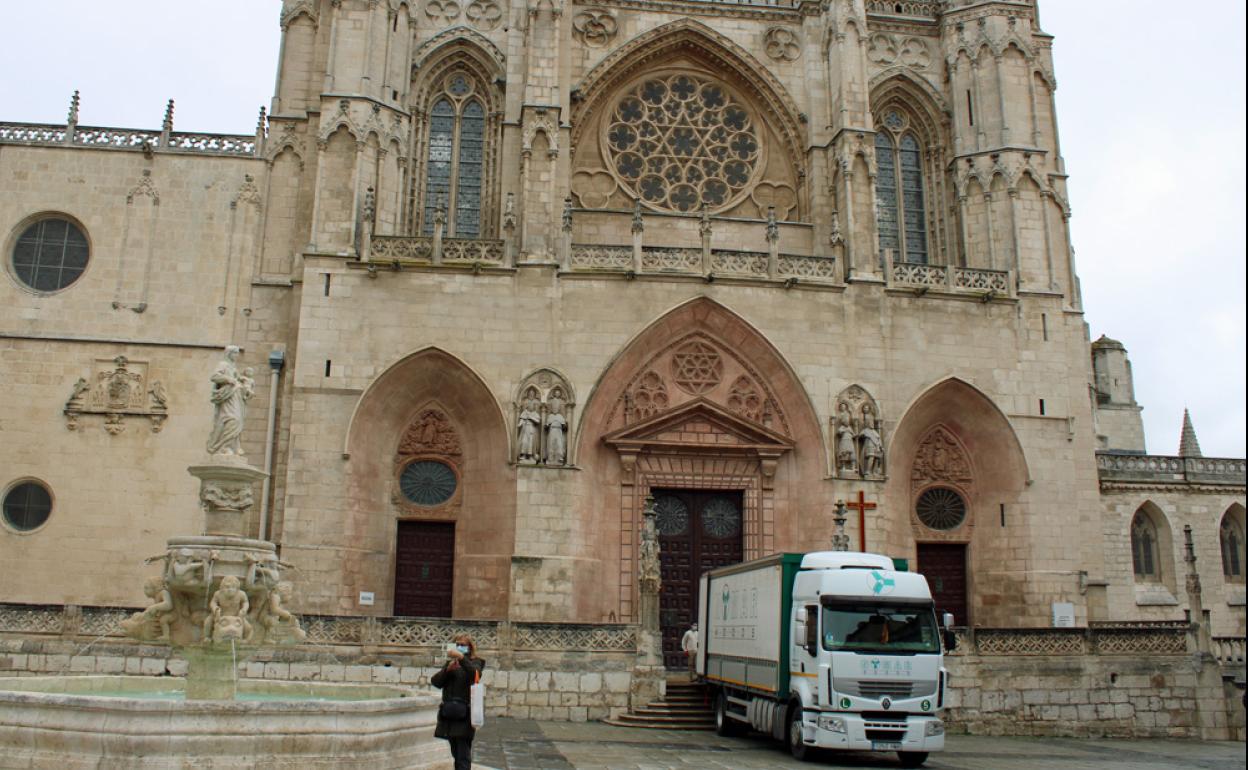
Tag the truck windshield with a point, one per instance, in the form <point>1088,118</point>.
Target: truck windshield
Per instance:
<point>882,628</point>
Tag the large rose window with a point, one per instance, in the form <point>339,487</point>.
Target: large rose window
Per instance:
<point>682,141</point>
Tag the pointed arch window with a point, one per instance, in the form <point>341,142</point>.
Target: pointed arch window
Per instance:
<point>455,159</point>
<point>1231,537</point>
<point>900,208</point>
<point>1144,553</point>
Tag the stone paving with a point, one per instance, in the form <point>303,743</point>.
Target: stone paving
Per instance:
<point>518,744</point>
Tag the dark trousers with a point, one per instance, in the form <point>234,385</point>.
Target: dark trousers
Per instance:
<point>461,749</point>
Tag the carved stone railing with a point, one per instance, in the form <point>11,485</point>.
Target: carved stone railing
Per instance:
<point>1170,469</point>
<point>128,139</point>
<point>807,268</point>
<point>656,259</point>
<point>1128,638</point>
<point>586,257</point>
<point>915,274</point>
<point>923,9</point>
<point>744,263</point>
<point>55,620</point>
<point>573,636</point>
<point>1229,650</point>
<point>997,281</point>
<point>451,251</point>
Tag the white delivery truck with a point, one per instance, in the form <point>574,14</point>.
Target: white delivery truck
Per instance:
<point>826,650</point>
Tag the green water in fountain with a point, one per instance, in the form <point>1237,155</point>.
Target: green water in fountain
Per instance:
<point>263,697</point>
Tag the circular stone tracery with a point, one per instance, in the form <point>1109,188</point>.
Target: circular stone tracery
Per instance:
<point>672,515</point>
<point>682,141</point>
<point>427,482</point>
<point>941,508</point>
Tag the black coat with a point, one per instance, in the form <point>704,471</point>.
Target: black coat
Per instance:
<point>454,684</point>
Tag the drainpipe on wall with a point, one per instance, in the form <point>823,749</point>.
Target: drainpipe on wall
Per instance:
<point>277,359</point>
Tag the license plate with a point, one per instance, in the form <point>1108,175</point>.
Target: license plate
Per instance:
<point>886,745</point>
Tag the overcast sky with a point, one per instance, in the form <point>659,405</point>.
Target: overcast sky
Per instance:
<point>1151,114</point>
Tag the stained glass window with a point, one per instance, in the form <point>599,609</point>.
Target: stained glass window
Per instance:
<point>438,174</point>
<point>900,208</point>
<point>50,254</point>
<point>1144,547</point>
<point>455,173</point>
<point>468,194</point>
<point>886,193</point>
<point>1232,541</point>
<point>912,200</point>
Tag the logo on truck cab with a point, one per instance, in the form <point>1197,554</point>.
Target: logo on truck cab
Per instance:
<point>881,584</point>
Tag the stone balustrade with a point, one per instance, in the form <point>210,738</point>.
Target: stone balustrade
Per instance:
<point>1118,638</point>
<point>723,263</point>
<point>922,9</point>
<point>950,279</point>
<point>136,139</point>
<point>433,250</point>
<point>1229,650</point>
<point>69,620</point>
<point>1170,469</point>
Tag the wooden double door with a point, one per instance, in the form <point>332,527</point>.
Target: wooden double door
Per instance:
<point>698,530</point>
<point>424,569</point>
<point>944,566</point>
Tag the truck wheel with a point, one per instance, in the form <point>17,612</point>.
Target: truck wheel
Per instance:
<point>800,751</point>
<point>912,758</point>
<point>724,724</point>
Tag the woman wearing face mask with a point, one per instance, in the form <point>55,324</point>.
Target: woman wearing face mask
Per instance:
<point>461,670</point>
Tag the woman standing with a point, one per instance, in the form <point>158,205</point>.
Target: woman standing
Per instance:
<point>462,669</point>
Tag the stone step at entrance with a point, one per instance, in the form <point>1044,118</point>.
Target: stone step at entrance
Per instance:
<point>686,706</point>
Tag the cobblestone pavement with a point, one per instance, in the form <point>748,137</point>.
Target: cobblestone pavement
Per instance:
<point>520,744</point>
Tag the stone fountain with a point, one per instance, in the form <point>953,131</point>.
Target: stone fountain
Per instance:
<point>219,597</point>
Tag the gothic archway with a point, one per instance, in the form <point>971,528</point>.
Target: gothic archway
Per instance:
<point>698,400</point>
<point>428,444</point>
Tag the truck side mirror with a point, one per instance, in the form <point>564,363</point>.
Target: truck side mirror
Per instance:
<point>951,640</point>
<point>946,620</point>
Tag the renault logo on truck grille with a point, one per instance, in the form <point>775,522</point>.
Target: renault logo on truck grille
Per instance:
<point>886,703</point>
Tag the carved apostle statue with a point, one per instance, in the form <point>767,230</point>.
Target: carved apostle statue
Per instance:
<point>872,444</point>
<point>846,440</point>
<point>527,427</point>
<point>556,430</point>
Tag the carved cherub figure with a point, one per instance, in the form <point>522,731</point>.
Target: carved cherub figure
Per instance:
<point>184,569</point>
<point>227,617</point>
<point>276,621</point>
<point>261,572</point>
<point>144,624</point>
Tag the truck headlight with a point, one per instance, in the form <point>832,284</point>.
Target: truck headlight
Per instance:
<point>934,727</point>
<point>832,724</point>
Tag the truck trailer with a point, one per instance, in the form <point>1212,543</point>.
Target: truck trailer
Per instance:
<point>825,650</point>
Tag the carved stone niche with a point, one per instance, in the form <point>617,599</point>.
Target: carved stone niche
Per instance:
<point>857,435</point>
<point>544,409</point>
<point>117,388</point>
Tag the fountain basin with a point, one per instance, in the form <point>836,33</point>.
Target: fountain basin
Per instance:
<point>98,722</point>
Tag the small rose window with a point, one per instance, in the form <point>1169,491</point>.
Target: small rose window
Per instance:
<point>428,483</point>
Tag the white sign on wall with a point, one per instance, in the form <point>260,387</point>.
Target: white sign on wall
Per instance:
<point>366,598</point>
<point>1063,615</point>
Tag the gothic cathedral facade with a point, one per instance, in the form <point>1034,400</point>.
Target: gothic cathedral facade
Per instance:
<point>505,271</point>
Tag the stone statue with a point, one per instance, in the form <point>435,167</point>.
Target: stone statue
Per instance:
<point>261,573</point>
<point>276,622</point>
<point>228,609</point>
<point>78,398</point>
<point>556,430</point>
<point>152,624</point>
<point>649,578</point>
<point>529,424</point>
<point>846,440</point>
<point>230,393</point>
<point>184,570</point>
<point>872,444</point>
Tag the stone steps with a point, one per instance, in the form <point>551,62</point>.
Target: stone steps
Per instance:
<point>685,706</point>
